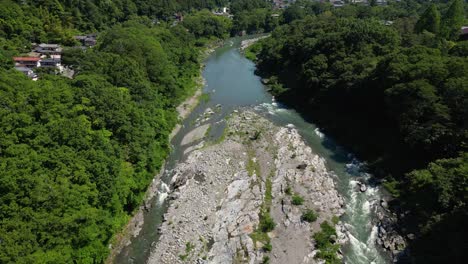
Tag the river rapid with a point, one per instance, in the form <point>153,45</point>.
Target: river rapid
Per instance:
<point>232,84</point>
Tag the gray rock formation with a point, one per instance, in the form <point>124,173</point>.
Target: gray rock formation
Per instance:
<point>221,192</point>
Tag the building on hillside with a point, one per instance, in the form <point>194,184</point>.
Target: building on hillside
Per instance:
<point>50,62</point>
<point>29,62</point>
<point>28,72</point>
<point>381,2</point>
<point>464,33</point>
<point>87,40</point>
<point>179,17</point>
<point>33,54</point>
<point>48,49</point>
<point>280,4</point>
<point>337,3</point>
<point>359,1</point>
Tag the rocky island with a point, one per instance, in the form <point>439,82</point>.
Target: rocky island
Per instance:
<point>256,195</point>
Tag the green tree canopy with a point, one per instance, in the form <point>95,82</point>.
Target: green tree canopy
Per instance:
<point>429,20</point>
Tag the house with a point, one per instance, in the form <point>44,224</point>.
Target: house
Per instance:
<point>50,62</point>
<point>338,3</point>
<point>48,49</point>
<point>464,33</point>
<point>280,4</point>
<point>179,17</point>
<point>28,72</point>
<point>381,2</point>
<point>90,41</point>
<point>359,1</point>
<point>30,62</point>
<point>87,40</point>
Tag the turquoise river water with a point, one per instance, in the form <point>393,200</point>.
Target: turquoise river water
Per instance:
<point>232,84</point>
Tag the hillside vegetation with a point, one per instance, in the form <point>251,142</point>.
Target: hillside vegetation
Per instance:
<point>76,155</point>
<point>397,97</point>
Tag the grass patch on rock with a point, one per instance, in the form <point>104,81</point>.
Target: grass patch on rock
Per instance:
<point>325,243</point>
<point>309,216</point>
<point>297,199</point>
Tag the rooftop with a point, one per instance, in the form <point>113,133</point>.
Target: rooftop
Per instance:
<point>43,45</point>
<point>22,69</point>
<point>26,59</point>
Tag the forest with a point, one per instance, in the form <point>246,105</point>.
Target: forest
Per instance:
<point>77,155</point>
<point>394,92</point>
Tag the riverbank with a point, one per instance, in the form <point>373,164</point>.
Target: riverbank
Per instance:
<point>223,195</point>
<point>134,225</point>
<point>133,228</point>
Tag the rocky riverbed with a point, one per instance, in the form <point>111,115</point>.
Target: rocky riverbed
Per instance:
<point>224,195</point>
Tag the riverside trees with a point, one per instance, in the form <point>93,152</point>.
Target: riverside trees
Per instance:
<point>397,98</point>
<point>77,155</point>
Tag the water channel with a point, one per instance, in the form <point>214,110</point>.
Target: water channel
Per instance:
<point>232,84</point>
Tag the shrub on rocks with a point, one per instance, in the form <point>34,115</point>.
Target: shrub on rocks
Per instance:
<point>309,216</point>
<point>266,223</point>
<point>297,199</point>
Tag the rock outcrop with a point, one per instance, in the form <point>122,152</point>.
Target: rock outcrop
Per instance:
<point>223,194</point>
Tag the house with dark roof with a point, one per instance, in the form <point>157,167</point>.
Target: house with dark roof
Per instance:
<point>49,49</point>
<point>464,33</point>
<point>87,40</point>
<point>50,62</point>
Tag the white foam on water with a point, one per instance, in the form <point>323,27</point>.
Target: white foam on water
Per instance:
<point>373,236</point>
<point>163,192</point>
<point>359,248</point>
<point>319,133</point>
<point>162,197</point>
<point>164,187</point>
<point>366,207</point>
<point>359,209</point>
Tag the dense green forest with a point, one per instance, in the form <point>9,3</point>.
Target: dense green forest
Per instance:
<point>76,155</point>
<point>395,93</point>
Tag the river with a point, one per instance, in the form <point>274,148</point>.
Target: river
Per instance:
<point>231,84</point>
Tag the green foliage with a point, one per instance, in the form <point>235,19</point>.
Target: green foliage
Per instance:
<point>238,6</point>
<point>444,184</point>
<point>252,51</point>
<point>453,20</point>
<point>348,70</point>
<point>309,216</point>
<point>255,21</point>
<point>267,247</point>
<point>429,20</point>
<point>205,24</point>
<point>323,242</point>
<point>297,199</point>
<point>76,156</point>
<point>460,49</point>
<point>288,190</point>
<point>189,247</point>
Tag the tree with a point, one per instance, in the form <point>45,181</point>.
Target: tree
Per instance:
<point>429,20</point>
<point>453,20</point>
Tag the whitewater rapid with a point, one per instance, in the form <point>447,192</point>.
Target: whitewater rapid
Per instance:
<point>360,215</point>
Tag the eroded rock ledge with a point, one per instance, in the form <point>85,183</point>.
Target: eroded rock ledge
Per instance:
<point>223,193</point>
